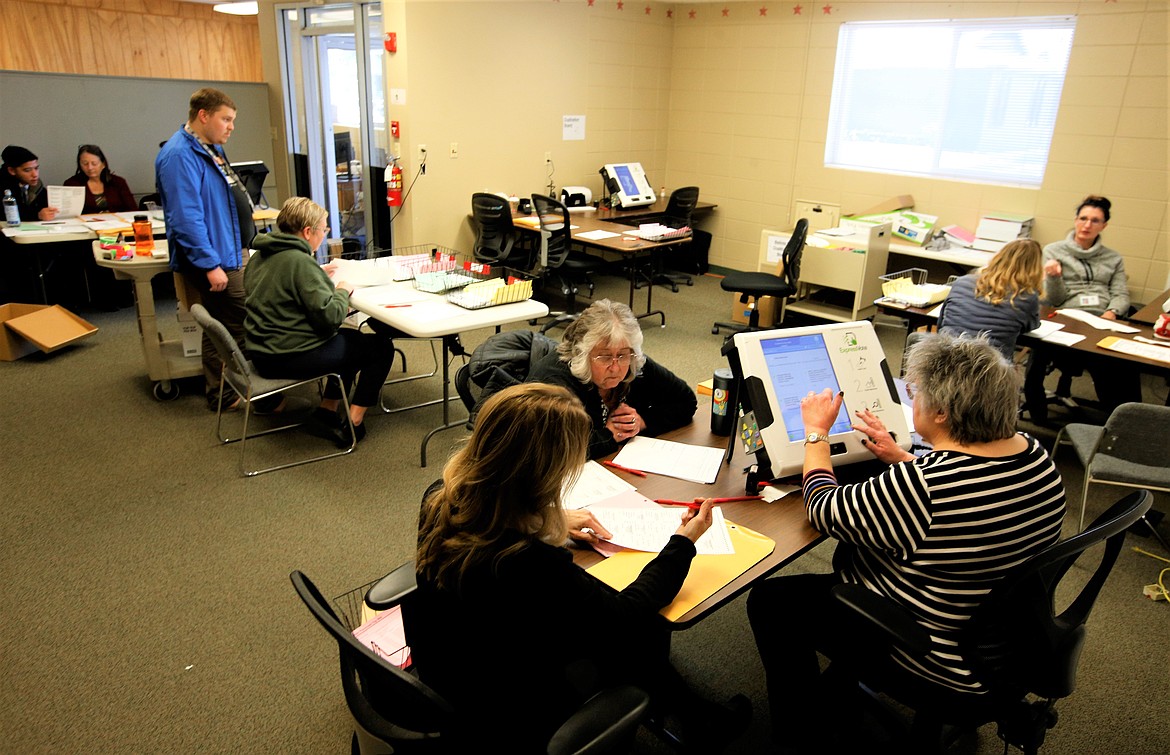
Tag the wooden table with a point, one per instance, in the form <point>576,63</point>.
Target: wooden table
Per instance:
<point>784,521</point>
<point>1149,313</point>
<point>630,247</point>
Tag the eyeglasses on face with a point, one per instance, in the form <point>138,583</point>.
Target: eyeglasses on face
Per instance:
<point>609,360</point>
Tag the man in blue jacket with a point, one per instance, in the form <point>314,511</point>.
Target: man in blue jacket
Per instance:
<point>209,220</point>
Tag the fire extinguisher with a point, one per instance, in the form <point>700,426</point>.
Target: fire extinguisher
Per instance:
<point>394,186</point>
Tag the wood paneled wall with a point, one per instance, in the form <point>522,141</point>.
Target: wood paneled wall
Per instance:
<point>155,38</point>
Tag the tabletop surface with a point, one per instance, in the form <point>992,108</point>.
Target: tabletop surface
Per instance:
<point>784,521</point>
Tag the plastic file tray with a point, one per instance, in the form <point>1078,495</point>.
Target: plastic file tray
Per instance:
<point>657,235</point>
<point>909,287</point>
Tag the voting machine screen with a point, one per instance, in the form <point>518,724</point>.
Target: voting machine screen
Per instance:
<point>780,367</point>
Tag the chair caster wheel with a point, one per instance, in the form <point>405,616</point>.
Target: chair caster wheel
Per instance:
<point>714,331</point>
<point>674,289</point>
<point>690,282</point>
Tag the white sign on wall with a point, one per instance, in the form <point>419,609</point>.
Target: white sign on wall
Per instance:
<point>573,128</point>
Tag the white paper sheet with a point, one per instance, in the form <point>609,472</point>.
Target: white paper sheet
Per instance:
<point>595,484</point>
<point>1045,329</point>
<point>597,235</point>
<point>362,273</point>
<point>664,457</point>
<point>1065,339</point>
<point>648,529</point>
<point>69,200</point>
<point>1100,323</point>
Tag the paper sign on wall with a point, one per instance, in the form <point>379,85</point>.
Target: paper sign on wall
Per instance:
<point>573,128</point>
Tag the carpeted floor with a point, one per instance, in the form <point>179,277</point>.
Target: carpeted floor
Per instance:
<point>147,606</point>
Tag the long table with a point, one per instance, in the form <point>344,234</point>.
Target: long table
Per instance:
<point>427,315</point>
<point>784,521</point>
<point>630,247</point>
<point>1086,351</point>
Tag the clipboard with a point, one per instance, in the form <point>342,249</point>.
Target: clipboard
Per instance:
<point>707,576</point>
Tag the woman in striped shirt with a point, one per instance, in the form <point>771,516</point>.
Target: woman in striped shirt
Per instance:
<point>933,534</point>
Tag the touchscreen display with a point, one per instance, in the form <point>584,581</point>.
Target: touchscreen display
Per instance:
<point>626,179</point>
<point>797,365</point>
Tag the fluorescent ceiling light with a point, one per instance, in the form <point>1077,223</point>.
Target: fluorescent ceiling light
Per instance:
<point>237,9</point>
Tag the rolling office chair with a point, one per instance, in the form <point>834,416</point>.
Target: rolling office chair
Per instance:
<point>1129,451</point>
<point>239,373</point>
<point>497,242</point>
<point>677,215</point>
<point>1019,644</point>
<point>156,198</point>
<point>782,285</point>
<point>394,712</point>
<point>557,259</point>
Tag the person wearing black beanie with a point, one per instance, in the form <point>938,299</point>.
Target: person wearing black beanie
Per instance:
<point>22,176</point>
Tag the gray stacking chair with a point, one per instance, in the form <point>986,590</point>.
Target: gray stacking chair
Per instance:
<point>239,373</point>
<point>1129,451</point>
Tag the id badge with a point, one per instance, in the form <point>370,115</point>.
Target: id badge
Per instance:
<point>1088,300</point>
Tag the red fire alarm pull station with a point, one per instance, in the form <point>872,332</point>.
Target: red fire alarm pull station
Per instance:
<point>394,129</point>
<point>390,41</point>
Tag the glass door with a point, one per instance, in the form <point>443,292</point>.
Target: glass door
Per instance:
<point>335,111</point>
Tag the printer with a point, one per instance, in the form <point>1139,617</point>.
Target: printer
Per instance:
<point>576,196</point>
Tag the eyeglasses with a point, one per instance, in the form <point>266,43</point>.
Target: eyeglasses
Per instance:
<point>609,360</point>
<point>1091,221</point>
<point>322,229</point>
<point>911,389</point>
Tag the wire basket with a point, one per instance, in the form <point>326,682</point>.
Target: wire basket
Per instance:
<point>491,293</point>
<point>909,287</point>
<point>380,631</point>
<point>447,274</point>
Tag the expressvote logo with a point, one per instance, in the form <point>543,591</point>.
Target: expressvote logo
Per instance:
<point>849,343</point>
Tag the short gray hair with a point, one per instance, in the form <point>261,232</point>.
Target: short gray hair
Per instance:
<point>971,381</point>
<point>298,213</point>
<point>603,321</point>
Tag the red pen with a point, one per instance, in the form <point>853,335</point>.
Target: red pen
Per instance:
<point>395,306</point>
<point>668,502</point>
<point>733,499</point>
<point>638,472</point>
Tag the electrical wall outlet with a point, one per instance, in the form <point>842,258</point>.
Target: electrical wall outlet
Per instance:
<point>454,153</point>
<point>422,153</point>
<point>548,157</point>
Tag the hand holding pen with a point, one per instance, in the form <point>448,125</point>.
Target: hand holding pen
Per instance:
<point>696,521</point>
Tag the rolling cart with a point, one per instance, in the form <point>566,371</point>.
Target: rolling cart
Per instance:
<point>165,359</point>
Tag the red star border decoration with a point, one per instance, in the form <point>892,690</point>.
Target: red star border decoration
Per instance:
<point>827,10</point>
<point>726,11</point>
<point>647,10</point>
<point>764,11</point>
<point>670,12</point>
<point>796,9</point>
<point>621,5</point>
<point>691,14</point>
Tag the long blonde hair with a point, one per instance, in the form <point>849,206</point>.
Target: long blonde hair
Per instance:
<point>529,441</point>
<point>1017,270</point>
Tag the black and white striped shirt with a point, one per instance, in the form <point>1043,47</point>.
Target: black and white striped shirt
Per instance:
<point>935,534</point>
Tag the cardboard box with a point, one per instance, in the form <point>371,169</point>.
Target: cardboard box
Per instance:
<point>914,227</point>
<point>893,204</point>
<point>29,327</point>
<point>740,311</point>
<point>1004,227</point>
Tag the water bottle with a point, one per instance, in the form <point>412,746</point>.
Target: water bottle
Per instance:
<point>11,211</point>
<point>143,236</point>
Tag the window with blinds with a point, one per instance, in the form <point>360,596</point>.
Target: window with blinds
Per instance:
<point>964,99</point>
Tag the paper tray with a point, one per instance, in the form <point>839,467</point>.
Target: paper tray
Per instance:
<point>51,328</point>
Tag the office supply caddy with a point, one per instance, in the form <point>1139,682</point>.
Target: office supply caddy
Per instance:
<point>491,292</point>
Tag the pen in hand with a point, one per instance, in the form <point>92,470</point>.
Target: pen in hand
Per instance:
<point>637,472</point>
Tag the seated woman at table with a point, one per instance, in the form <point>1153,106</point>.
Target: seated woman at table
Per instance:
<point>294,316</point>
<point>504,625</point>
<point>1082,273</point>
<point>1001,300</point>
<point>933,534</point>
<point>104,192</point>
<point>21,175</point>
<point>625,392</point>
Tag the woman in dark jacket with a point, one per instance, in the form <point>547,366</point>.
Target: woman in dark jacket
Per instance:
<point>625,393</point>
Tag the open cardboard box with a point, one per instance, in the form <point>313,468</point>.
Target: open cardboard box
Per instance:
<point>25,328</point>
<point>740,312</point>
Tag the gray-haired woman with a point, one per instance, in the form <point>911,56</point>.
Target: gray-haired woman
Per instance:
<point>625,393</point>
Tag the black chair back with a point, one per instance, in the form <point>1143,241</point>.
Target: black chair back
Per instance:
<point>792,252</point>
<point>554,222</point>
<point>496,235</point>
<point>1018,641</point>
<point>681,205</point>
<point>386,702</point>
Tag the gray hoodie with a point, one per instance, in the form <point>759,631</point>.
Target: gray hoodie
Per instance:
<point>1086,273</point>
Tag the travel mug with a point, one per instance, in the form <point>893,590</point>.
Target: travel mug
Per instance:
<point>723,404</point>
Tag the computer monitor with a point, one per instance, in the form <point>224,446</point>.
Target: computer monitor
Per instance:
<point>779,367</point>
<point>252,175</point>
<point>628,182</point>
<point>343,150</point>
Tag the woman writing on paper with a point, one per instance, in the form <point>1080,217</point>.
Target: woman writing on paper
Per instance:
<point>933,534</point>
<point>625,392</point>
<point>1001,300</point>
<point>294,317</point>
<point>504,625</point>
<point>104,192</point>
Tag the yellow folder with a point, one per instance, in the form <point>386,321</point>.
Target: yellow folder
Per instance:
<point>708,573</point>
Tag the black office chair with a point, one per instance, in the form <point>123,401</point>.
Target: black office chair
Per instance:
<point>497,242</point>
<point>1019,645</point>
<point>156,198</point>
<point>394,712</point>
<point>753,286</point>
<point>677,215</point>
<point>560,263</point>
